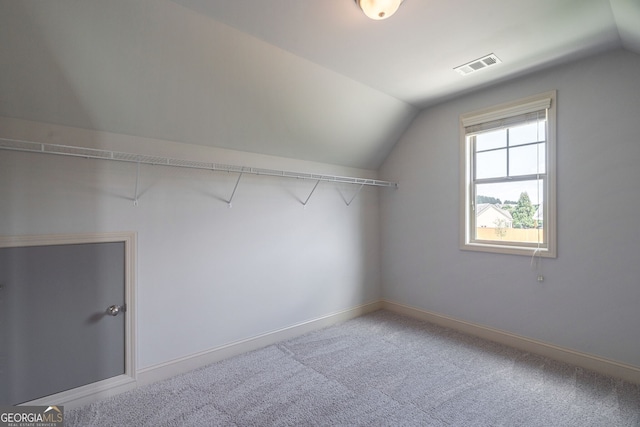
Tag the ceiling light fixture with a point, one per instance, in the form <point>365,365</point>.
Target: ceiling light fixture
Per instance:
<point>379,9</point>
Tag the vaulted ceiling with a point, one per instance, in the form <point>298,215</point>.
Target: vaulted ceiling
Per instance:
<point>313,80</point>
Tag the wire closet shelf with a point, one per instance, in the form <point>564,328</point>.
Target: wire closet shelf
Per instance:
<point>92,153</point>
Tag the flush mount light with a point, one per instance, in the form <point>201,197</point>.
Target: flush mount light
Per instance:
<point>379,9</point>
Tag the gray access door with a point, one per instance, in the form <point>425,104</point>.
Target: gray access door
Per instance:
<point>55,334</point>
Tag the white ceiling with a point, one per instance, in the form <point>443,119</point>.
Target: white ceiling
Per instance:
<point>314,80</point>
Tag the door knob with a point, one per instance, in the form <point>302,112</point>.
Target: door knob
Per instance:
<point>114,310</point>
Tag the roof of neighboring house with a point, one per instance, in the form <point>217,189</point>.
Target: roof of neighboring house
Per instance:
<point>481,207</point>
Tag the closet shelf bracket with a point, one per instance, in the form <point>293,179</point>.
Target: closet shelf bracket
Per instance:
<point>135,193</point>
<point>354,195</point>
<point>234,190</point>
<point>310,194</point>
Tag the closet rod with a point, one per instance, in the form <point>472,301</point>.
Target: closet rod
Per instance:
<point>92,153</point>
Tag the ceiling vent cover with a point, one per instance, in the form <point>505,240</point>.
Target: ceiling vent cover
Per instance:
<point>478,64</point>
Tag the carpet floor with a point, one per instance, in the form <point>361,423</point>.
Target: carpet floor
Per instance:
<point>381,369</point>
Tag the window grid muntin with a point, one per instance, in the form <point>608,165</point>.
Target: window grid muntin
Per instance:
<point>506,149</point>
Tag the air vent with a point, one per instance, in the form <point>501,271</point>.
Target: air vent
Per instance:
<point>478,64</point>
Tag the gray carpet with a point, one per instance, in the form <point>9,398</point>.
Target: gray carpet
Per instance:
<point>380,369</point>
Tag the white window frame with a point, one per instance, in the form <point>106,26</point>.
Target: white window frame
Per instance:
<point>489,117</point>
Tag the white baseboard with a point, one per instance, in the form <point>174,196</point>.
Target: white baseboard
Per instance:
<point>587,361</point>
<point>87,394</point>
<point>79,397</point>
<point>184,364</point>
<point>90,393</point>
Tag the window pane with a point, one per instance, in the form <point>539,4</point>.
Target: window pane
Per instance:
<point>530,132</point>
<point>527,160</point>
<point>491,164</point>
<point>492,139</point>
<point>510,212</point>
<point>509,192</point>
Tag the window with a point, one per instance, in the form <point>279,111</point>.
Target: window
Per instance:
<point>508,178</point>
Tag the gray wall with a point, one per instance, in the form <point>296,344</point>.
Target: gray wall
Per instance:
<point>207,274</point>
<point>589,300</point>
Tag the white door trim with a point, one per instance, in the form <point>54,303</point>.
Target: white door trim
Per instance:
<point>78,396</point>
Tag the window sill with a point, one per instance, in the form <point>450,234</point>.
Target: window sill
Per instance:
<point>508,249</point>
